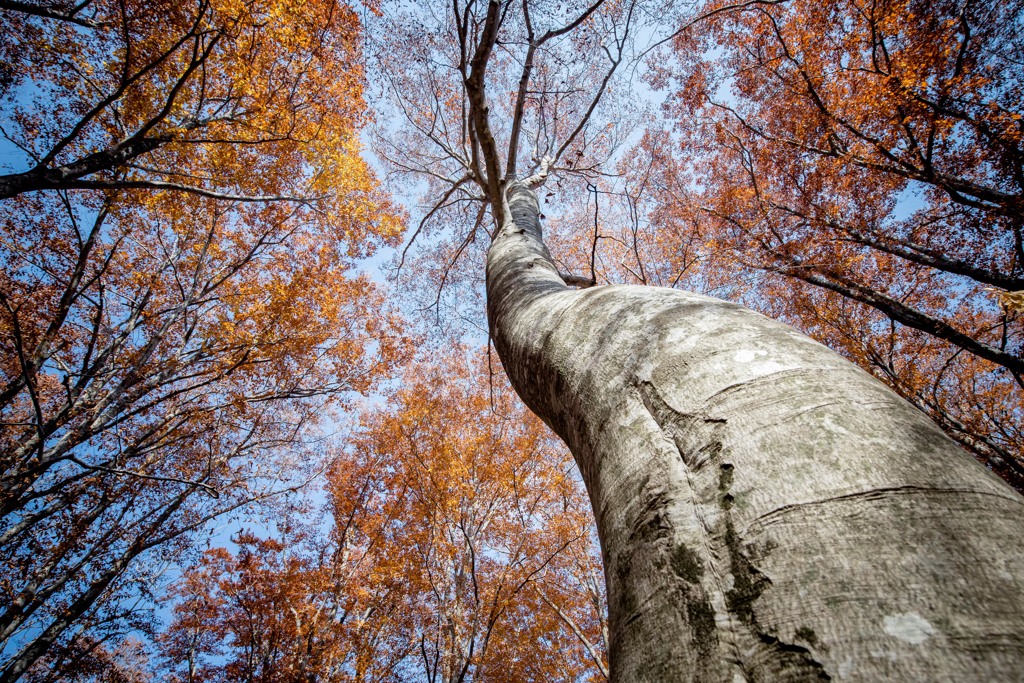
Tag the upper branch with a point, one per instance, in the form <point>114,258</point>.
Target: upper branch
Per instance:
<point>479,110</point>
<point>50,12</point>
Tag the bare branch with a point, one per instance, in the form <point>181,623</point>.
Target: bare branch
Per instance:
<point>48,12</point>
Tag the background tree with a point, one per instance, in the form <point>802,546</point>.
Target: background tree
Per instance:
<point>459,544</point>
<point>856,168</point>
<point>171,336</point>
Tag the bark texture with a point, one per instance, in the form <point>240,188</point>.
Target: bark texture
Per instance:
<point>767,510</point>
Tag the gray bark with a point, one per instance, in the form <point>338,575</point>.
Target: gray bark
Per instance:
<point>767,511</point>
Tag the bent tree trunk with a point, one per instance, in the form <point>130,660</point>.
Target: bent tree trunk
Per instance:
<point>767,511</point>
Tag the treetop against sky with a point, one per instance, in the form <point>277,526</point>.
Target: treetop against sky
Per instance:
<point>187,327</point>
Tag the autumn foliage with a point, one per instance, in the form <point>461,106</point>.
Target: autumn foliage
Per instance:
<point>856,168</point>
<point>177,306</point>
<point>460,549</point>
<point>184,209</point>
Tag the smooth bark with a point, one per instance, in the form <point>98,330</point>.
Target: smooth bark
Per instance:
<point>767,511</point>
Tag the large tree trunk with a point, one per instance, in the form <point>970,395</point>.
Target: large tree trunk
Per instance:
<point>767,511</point>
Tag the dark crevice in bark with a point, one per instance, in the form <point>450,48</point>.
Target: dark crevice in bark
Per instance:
<point>685,562</point>
<point>785,663</point>
<point>653,537</point>
<point>684,429</point>
<point>762,656</point>
<point>700,616</point>
<point>748,581</point>
<point>772,661</point>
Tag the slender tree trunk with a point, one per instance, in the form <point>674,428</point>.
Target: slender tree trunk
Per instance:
<point>767,511</point>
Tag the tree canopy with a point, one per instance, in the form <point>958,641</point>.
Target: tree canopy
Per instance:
<point>214,312</point>
<point>170,335</point>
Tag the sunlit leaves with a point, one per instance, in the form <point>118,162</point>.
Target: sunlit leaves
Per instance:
<point>459,548</point>
<point>180,313</point>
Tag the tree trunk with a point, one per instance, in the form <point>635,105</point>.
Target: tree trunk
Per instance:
<point>767,511</point>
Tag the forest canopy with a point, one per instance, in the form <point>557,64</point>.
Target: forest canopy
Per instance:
<point>253,421</point>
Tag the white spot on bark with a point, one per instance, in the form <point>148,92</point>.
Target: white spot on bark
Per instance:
<point>835,428</point>
<point>747,355</point>
<point>910,627</point>
<point>846,668</point>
